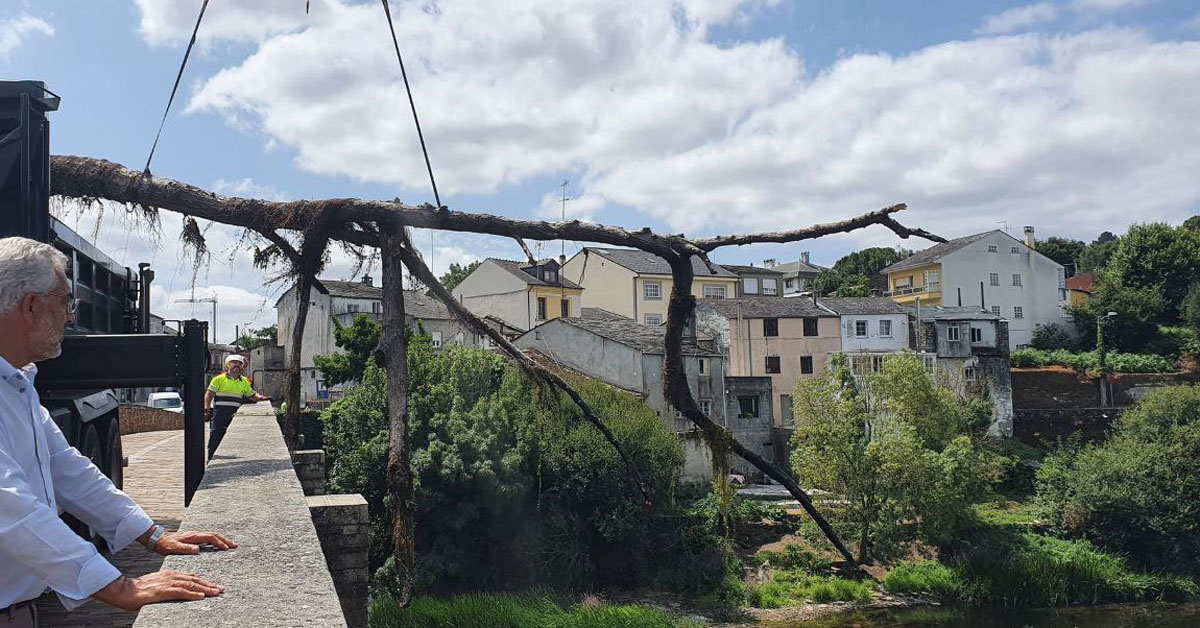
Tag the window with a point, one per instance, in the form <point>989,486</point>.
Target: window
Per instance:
<point>860,329</point>
<point>750,285</point>
<point>1022,346</point>
<point>785,410</point>
<point>952,333</point>
<point>550,275</point>
<point>787,283</point>
<point>976,334</point>
<point>565,308</point>
<point>351,307</point>
<point>748,406</point>
<point>806,364</point>
<point>992,248</point>
<point>996,310</point>
<point>652,320</point>
<point>810,327</point>
<point>703,365</point>
<point>706,406</point>
<point>436,339</point>
<point>1018,312</point>
<point>932,277</point>
<point>376,307</point>
<point>902,282</point>
<point>1015,250</point>
<point>969,373</point>
<point>770,326</point>
<point>994,279</point>
<point>541,313</point>
<point>770,286</point>
<point>1017,279</point>
<point>652,290</point>
<point>773,364</point>
<point>885,329</point>
<point>712,291</point>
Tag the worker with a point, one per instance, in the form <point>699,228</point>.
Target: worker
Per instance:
<point>40,473</point>
<point>226,393</point>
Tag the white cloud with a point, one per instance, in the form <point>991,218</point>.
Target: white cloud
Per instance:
<point>15,31</point>
<point>1072,133</point>
<point>1018,18</point>
<point>1084,6</point>
<point>247,188</point>
<point>172,21</point>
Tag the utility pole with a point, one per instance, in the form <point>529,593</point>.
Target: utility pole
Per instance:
<point>213,300</point>
<point>562,251</point>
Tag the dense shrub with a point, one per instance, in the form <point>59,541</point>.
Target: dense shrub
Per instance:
<point>1137,492</point>
<point>512,486</point>
<point>1173,342</point>
<point>1051,336</point>
<point>1090,361</point>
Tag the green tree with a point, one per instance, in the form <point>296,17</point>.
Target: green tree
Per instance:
<point>1191,307</point>
<point>358,339</point>
<point>1050,336</point>
<point>1192,224</point>
<point>909,472</point>
<point>456,273</point>
<point>1136,493</point>
<point>1065,251</point>
<point>1160,257</point>
<point>252,339</point>
<point>1096,255</point>
<point>857,274</point>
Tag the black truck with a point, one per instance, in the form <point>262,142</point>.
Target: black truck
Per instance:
<point>110,348</point>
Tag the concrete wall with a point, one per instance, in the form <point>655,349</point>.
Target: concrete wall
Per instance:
<point>874,342</point>
<point>608,361</point>
<point>493,291</point>
<point>748,350</point>
<point>606,284</point>
<point>1040,294</point>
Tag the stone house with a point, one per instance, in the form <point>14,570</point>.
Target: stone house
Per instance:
<point>517,294</point>
<point>798,274</point>
<point>756,281</point>
<point>637,285</point>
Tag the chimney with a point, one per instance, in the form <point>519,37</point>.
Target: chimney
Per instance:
<point>804,257</point>
<point>367,281</point>
<point>562,260</point>
<point>769,263</point>
<point>1029,237</point>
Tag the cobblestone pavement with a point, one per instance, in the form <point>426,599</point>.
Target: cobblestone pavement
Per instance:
<point>154,479</point>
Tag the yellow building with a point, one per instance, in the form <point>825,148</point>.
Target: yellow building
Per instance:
<point>922,282</point>
<point>1080,288</point>
<point>637,284</point>
<point>520,295</point>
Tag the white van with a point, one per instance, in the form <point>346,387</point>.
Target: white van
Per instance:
<point>169,401</point>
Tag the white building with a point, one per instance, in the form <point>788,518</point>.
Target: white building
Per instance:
<point>520,295</point>
<point>870,324</point>
<point>992,271</point>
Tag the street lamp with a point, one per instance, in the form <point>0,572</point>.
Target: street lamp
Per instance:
<point>213,300</point>
<point>1101,349</point>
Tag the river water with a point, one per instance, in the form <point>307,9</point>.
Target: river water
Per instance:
<point>1114,616</point>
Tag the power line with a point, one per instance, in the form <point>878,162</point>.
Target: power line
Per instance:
<point>416,120</point>
<point>175,88</point>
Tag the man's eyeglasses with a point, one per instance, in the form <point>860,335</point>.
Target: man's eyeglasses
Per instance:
<point>70,304</point>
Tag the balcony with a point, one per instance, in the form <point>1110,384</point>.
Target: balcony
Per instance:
<point>935,286</point>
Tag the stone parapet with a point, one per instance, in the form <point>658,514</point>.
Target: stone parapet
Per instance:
<point>310,469</point>
<point>341,522</point>
<point>136,419</point>
<point>278,575</point>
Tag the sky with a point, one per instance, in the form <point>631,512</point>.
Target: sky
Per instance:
<point>685,116</point>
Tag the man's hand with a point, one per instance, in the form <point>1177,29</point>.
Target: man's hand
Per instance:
<point>207,413</point>
<point>189,542</point>
<point>160,586</point>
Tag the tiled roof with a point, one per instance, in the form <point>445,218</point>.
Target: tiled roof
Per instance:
<point>751,270</point>
<point>647,264</point>
<point>799,266</point>
<point>765,307</point>
<point>1084,282</point>
<point>632,334</point>
<point>597,313</point>
<point>517,269</point>
<point>936,252</point>
<point>953,313</point>
<point>351,289</point>
<point>863,305</point>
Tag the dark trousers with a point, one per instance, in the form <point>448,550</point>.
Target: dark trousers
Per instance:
<point>221,418</point>
<point>22,615</point>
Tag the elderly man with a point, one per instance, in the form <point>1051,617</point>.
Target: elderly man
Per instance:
<point>40,472</point>
<point>226,393</point>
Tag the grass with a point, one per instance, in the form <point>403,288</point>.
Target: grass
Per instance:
<point>1008,513</point>
<point>1029,569</point>
<point>792,588</point>
<point>794,557</point>
<point>515,611</point>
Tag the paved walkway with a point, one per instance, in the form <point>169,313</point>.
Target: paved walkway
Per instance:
<point>154,479</point>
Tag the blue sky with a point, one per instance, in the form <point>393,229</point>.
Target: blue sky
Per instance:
<point>702,116</point>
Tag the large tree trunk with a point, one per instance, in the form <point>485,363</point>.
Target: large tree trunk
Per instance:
<point>393,351</point>
<point>291,417</point>
<point>680,311</point>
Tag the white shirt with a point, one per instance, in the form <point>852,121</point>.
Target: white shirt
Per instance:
<point>39,472</point>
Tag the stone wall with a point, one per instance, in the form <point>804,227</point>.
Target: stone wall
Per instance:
<point>753,432</point>
<point>1045,427</point>
<point>341,522</point>
<point>310,470</point>
<point>136,419</point>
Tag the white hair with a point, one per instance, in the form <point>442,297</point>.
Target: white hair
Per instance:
<point>27,267</point>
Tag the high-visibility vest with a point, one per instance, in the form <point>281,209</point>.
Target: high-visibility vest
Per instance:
<point>230,392</point>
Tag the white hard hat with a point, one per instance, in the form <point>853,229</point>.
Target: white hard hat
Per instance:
<point>236,357</point>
